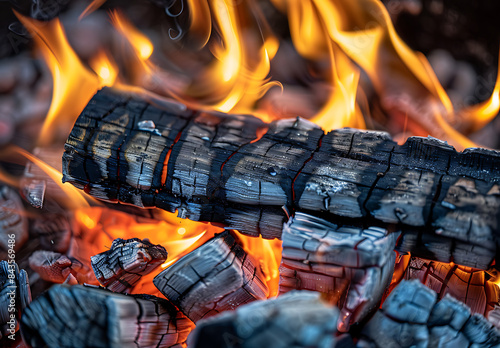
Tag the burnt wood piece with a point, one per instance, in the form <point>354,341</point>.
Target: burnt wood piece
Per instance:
<point>412,316</point>
<point>296,319</point>
<point>37,186</point>
<point>80,316</point>
<point>352,265</point>
<point>13,221</point>
<point>122,266</point>
<point>217,276</point>
<point>15,295</point>
<point>52,231</point>
<point>55,267</point>
<point>216,167</point>
<point>468,285</point>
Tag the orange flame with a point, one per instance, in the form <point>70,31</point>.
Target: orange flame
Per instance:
<point>74,84</point>
<point>268,254</point>
<point>105,68</point>
<point>94,5</point>
<point>363,31</point>
<point>481,114</point>
<point>238,76</point>
<point>140,43</point>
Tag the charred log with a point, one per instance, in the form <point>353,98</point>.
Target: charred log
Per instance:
<point>214,167</point>
<point>352,265</point>
<point>79,316</point>
<point>217,276</point>
<point>412,317</point>
<point>15,295</point>
<point>13,222</point>
<point>468,285</point>
<point>123,265</point>
<point>296,319</point>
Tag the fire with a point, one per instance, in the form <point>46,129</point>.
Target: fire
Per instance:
<point>140,43</point>
<point>70,77</point>
<point>362,30</point>
<point>105,68</point>
<point>100,226</point>
<point>237,77</point>
<point>352,36</point>
<point>268,254</point>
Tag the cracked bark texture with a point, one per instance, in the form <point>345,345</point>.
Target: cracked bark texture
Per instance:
<point>412,316</point>
<point>217,276</point>
<point>14,285</point>
<point>214,167</point>
<point>352,265</point>
<point>122,266</point>
<point>55,267</point>
<point>470,286</point>
<point>79,316</point>
<point>296,319</point>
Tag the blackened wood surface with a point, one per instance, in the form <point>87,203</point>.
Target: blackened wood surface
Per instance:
<point>353,266</point>
<point>216,277</point>
<point>122,266</point>
<point>296,319</point>
<point>80,316</point>
<point>214,167</point>
<point>412,316</point>
<point>468,285</point>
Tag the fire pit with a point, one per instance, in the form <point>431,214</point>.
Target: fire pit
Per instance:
<point>220,173</point>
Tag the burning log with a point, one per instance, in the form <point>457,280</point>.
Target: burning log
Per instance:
<point>321,256</point>
<point>217,276</point>
<point>214,167</point>
<point>15,295</point>
<point>412,317</point>
<point>80,316</point>
<point>470,286</point>
<point>296,319</point>
<point>13,222</point>
<point>121,267</point>
<point>56,268</point>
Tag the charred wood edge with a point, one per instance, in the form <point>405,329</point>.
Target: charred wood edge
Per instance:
<point>295,319</point>
<point>473,287</point>
<point>215,277</point>
<point>55,267</point>
<point>210,166</point>
<point>320,256</point>
<point>412,316</point>
<point>15,295</point>
<point>13,221</point>
<point>122,266</point>
<point>81,316</point>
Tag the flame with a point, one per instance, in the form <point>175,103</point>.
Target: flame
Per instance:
<point>362,30</point>
<point>238,76</point>
<point>105,68</point>
<point>481,114</point>
<point>140,43</point>
<point>74,84</point>
<point>268,254</point>
<point>100,226</point>
<point>94,5</point>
